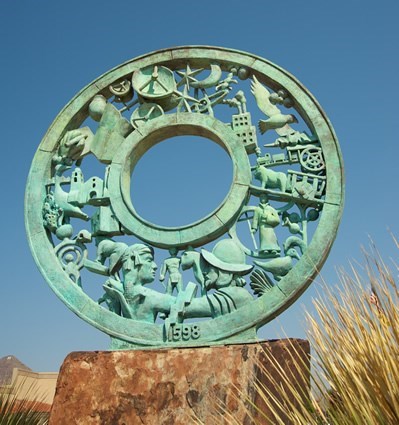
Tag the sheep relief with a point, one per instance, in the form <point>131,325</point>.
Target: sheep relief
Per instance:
<point>221,278</point>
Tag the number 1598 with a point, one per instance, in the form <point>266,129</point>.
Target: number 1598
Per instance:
<point>183,332</point>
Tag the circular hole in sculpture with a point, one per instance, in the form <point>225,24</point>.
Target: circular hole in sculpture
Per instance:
<point>181,180</point>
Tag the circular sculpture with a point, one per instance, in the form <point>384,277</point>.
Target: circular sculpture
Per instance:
<point>249,260</point>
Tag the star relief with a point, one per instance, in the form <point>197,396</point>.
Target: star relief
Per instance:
<point>188,76</point>
<point>184,100</point>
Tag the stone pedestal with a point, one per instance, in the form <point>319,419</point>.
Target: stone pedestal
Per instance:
<point>172,387</point>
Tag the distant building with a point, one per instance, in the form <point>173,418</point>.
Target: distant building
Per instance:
<point>18,378</point>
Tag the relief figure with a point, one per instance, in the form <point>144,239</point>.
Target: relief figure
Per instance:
<point>265,220</point>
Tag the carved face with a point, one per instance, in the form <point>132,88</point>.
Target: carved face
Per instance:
<point>216,278</point>
<point>146,272</point>
<point>210,276</point>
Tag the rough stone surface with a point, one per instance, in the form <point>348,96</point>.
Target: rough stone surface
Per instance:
<point>167,386</point>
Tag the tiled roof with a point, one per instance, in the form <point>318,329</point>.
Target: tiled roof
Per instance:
<point>7,364</point>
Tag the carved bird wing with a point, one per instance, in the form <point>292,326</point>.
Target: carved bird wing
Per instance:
<point>262,98</point>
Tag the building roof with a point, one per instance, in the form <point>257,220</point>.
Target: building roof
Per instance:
<point>7,364</point>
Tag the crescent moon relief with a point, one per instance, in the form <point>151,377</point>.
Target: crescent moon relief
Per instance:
<point>212,80</point>
<point>216,280</point>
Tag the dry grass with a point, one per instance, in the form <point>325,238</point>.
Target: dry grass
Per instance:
<point>355,354</point>
<point>356,346</point>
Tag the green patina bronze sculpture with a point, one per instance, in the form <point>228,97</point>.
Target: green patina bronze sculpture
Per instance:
<point>250,259</point>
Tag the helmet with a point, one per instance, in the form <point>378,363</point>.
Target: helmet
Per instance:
<point>228,256</point>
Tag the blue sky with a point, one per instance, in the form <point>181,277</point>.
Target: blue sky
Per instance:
<point>344,52</point>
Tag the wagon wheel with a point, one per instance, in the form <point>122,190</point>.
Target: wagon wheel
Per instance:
<point>311,159</point>
<point>154,82</point>
<point>122,90</point>
<point>144,113</point>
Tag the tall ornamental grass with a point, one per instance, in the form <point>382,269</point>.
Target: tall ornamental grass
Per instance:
<point>355,355</point>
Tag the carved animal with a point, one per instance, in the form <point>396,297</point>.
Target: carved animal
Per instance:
<point>225,84</point>
<point>107,248</point>
<point>293,241</point>
<point>104,249</point>
<point>84,236</point>
<point>192,259</point>
<point>279,267</point>
<point>270,179</point>
<point>277,121</point>
<point>61,197</point>
<point>294,228</point>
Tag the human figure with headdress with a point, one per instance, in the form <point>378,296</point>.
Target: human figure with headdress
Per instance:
<point>136,300</point>
<point>223,271</point>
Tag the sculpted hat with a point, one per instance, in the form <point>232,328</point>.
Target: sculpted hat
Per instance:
<point>228,256</point>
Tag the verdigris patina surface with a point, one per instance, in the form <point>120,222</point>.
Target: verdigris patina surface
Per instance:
<point>248,260</point>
